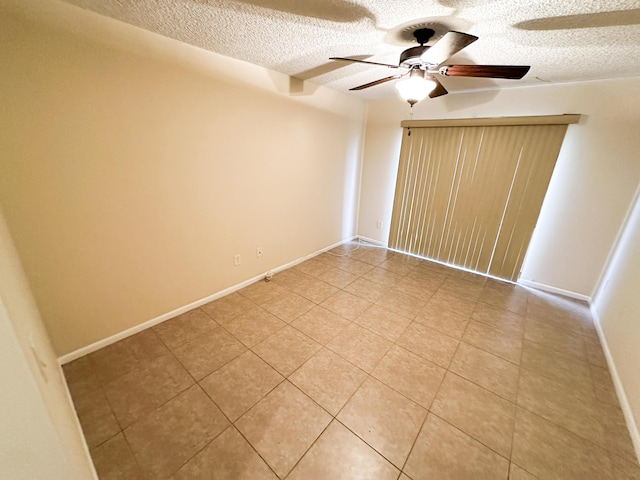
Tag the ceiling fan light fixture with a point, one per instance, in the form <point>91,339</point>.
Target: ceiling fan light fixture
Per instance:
<point>416,87</point>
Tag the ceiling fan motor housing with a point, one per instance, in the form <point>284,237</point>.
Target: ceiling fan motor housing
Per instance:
<point>411,56</point>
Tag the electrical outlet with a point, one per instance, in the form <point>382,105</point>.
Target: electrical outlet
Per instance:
<point>236,259</point>
<point>379,224</point>
<point>258,252</point>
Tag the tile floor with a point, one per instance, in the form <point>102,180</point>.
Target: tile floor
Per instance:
<point>359,364</point>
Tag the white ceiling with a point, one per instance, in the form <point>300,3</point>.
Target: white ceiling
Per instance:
<point>562,40</point>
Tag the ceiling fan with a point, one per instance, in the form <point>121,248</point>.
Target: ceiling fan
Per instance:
<point>423,63</point>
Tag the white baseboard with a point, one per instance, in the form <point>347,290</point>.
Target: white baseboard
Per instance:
<point>372,241</point>
<point>81,352</point>
<point>557,291</point>
<point>72,405</point>
<point>622,396</point>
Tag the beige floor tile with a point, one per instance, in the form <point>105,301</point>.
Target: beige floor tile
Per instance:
<point>328,379</point>
<point>493,340</point>
<point>484,415</point>
<point>420,288</point>
<point>360,346</point>
<point>625,469</point>
<point>372,255</point>
<point>505,295</point>
<point>519,473</point>
<point>346,304</point>
<point>383,418</point>
<point>444,452</point>
<point>126,355</point>
<point>313,289</point>
<point>240,384</point>
<point>282,426</point>
<point>487,370</point>
<point>208,352</point>
<point>286,350</point>
<point>320,324</point>
<point>443,320</point>
<point>340,455</point>
<point>96,417</point>
<point>179,330</point>
<point>262,292</point>
<point>312,267</point>
<point>288,306</point>
<point>383,277</point>
<point>114,461</point>
<point>561,320</point>
<point>549,451</point>
<point>557,303</point>
<point>555,338</point>
<point>253,327</point>
<point>407,320</point>
<point>427,269</point>
<point>366,289</point>
<point>498,317</point>
<point>461,287</point>
<point>351,265</point>
<point>228,457</point>
<point>409,374</point>
<point>228,307</point>
<point>561,404</point>
<point>337,278</point>
<point>140,391</point>
<point>401,264</point>
<point>401,303</point>
<point>331,259</point>
<point>345,249</point>
<point>81,377</point>
<point>589,330</point>
<point>169,436</point>
<point>561,312</point>
<point>617,438</point>
<point>471,277</point>
<point>444,300</point>
<point>290,277</point>
<point>557,366</point>
<point>595,354</point>
<point>429,344</point>
<point>383,322</point>
<point>433,277</point>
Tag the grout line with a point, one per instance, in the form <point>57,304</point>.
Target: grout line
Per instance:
<point>473,438</point>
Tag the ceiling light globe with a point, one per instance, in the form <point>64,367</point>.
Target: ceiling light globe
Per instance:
<point>415,88</point>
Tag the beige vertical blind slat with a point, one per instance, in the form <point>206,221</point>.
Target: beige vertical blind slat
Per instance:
<point>470,195</point>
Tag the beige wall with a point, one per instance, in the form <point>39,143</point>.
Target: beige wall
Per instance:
<point>617,306</point>
<point>593,183</point>
<point>39,433</point>
<point>134,167</point>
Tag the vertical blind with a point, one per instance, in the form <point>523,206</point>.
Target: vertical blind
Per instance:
<point>470,196</point>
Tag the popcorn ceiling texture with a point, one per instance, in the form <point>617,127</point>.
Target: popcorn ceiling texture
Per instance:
<point>563,41</point>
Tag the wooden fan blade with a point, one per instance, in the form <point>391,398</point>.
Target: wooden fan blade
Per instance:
<point>450,43</point>
<point>513,72</point>
<point>355,60</point>
<point>377,82</point>
<point>439,90</point>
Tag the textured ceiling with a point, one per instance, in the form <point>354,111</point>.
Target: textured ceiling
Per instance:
<point>563,41</point>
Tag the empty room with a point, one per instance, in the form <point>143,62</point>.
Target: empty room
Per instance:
<point>269,239</point>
